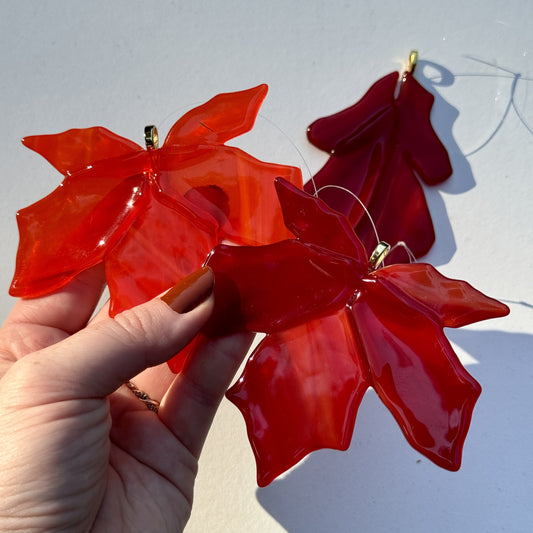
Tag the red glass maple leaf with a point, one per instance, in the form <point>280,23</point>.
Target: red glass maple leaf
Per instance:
<point>336,327</point>
<point>378,147</point>
<point>151,216</point>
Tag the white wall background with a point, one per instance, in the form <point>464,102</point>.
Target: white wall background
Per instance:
<point>125,64</point>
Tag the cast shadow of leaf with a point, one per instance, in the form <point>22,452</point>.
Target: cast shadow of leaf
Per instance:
<point>434,77</point>
<point>381,484</point>
<point>443,118</point>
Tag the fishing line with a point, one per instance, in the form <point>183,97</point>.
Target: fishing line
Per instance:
<point>356,198</point>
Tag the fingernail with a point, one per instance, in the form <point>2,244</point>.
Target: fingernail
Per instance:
<point>191,291</point>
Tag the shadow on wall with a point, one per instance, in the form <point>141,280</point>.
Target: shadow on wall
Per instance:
<point>381,485</point>
<point>443,117</point>
<point>433,76</point>
<point>512,91</point>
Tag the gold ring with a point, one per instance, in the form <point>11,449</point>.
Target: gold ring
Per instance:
<point>153,405</point>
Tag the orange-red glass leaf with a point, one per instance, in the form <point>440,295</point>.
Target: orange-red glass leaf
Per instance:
<point>71,229</point>
<point>166,242</point>
<point>77,149</point>
<point>247,208</point>
<point>377,148</point>
<point>151,216</point>
<point>222,118</point>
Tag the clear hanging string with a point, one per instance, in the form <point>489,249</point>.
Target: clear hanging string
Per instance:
<point>399,244</point>
<point>359,201</point>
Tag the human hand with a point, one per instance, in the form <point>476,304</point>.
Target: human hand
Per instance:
<point>79,451</point>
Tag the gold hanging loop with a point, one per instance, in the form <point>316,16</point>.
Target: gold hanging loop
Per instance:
<point>151,137</point>
<point>378,255</point>
<point>413,60</point>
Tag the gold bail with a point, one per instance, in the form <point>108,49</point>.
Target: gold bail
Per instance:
<point>413,60</point>
<point>379,254</point>
<point>151,138</point>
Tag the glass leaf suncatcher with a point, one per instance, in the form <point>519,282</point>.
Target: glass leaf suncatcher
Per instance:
<point>377,149</point>
<point>152,215</point>
<point>335,327</point>
<point>335,324</point>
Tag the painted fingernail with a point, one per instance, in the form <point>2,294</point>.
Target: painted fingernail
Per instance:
<point>191,291</point>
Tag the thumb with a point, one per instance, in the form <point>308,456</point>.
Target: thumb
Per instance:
<point>97,360</point>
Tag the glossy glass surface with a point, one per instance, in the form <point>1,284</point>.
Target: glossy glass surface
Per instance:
<point>336,328</point>
<point>151,216</point>
<point>378,146</point>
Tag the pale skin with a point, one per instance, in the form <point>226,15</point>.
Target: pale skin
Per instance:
<point>79,452</point>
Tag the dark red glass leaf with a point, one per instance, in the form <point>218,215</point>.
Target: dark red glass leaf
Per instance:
<point>272,288</point>
<point>378,147</point>
<point>452,303</point>
<point>415,372</point>
<point>312,222</point>
<point>300,392</point>
<point>388,323</point>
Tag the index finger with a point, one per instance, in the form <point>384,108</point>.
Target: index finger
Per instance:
<point>35,323</point>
